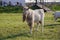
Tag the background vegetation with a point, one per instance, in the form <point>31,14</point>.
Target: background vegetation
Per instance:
<point>54,7</point>
<point>11,9</point>
<point>18,9</point>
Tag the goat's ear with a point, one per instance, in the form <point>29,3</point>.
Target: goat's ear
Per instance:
<point>24,17</point>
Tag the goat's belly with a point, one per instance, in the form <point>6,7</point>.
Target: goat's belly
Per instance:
<point>37,18</point>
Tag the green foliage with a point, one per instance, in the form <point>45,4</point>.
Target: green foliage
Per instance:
<point>19,9</point>
<point>54,7</point>
<point>11,9</point>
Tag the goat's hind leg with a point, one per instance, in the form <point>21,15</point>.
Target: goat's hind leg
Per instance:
<point>37,26</point>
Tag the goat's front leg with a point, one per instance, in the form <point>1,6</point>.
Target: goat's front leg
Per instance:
<point>31,28</point>
<point>31,25</point>
<point>55,19</point>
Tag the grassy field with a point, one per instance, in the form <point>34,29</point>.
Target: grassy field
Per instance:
<point>13,28</point>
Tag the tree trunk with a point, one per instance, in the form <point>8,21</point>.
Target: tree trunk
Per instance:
<point>36,2</point>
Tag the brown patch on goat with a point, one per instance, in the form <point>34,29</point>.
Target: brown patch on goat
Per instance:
<point>29,18</point>
<point>40,22</point>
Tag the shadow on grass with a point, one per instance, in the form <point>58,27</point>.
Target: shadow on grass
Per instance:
<point>52,25</point>
<point>16,35</point>
<point>58,21</point>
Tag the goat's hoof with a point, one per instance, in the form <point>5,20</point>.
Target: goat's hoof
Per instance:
<point>30,32</point>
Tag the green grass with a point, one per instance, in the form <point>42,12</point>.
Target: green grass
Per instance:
<point>13,28</point>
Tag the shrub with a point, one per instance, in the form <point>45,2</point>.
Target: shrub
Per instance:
<point>11,9</point>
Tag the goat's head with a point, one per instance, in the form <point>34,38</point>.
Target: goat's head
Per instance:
<point>25,9</point>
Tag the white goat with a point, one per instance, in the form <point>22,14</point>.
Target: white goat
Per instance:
<point>33,16</point>
<point>56,15</point>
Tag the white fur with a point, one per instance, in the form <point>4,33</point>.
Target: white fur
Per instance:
<point>36,15</point>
